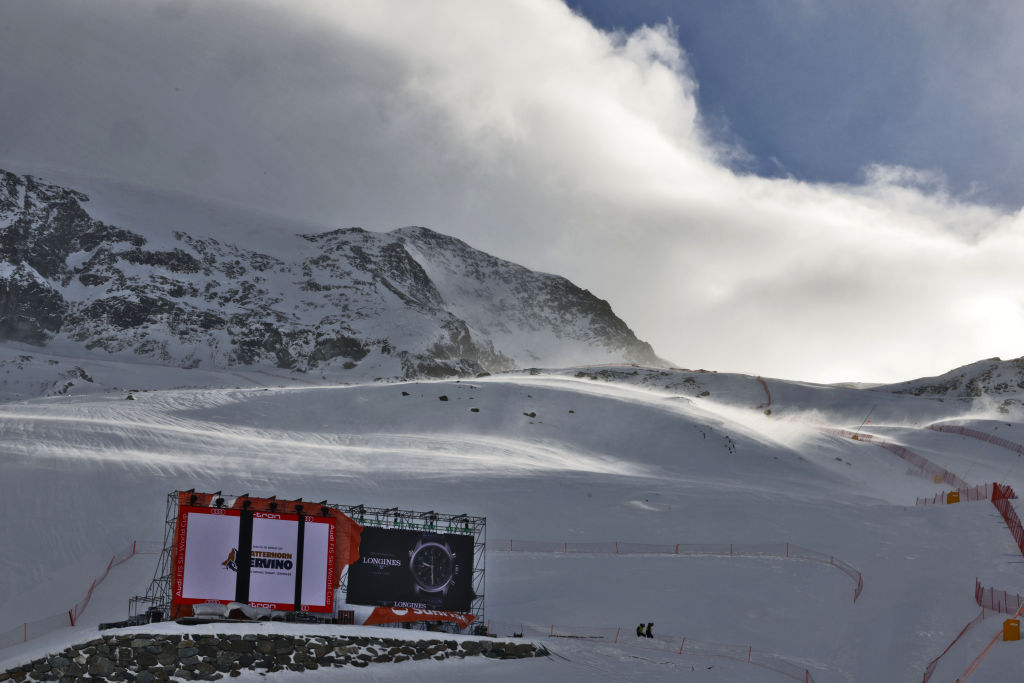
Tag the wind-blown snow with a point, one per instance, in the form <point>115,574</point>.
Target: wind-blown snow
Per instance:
<point>589,454</point>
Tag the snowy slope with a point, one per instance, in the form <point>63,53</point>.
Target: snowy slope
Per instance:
<point>605,456</point>
<point>1002,381</point>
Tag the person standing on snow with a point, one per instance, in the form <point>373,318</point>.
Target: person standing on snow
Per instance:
<point>640,630</point>
<point>648,632</point>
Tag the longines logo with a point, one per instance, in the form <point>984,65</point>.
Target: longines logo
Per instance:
<point>382,561</point>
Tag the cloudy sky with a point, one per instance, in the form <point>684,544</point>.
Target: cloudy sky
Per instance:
<point>824,191</point>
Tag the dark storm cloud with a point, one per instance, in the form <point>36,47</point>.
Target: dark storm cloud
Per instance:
<point>239,101</point>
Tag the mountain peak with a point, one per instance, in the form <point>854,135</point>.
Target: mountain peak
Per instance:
<point>407,303</point>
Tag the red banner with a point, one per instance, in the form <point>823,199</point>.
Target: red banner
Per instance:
<point>393,615</point>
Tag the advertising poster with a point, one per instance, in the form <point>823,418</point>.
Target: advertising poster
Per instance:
<point>412,569</point>
<point>208,543</point>
<point>274,560</point>
<point>211,549</point>
<point>318,567</point>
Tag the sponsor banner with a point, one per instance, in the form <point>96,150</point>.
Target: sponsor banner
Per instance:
<point>274,559</point>
<point>318,566</point>
<point>205,568</point>
<point>346,532</point>
<point>412,569</point>
<point>207,552</point>
<point>393,615</point>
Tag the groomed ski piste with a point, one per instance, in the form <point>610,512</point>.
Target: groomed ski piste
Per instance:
<point>590,479</point>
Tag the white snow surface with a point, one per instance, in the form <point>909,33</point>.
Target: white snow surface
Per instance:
<point>620,454</point>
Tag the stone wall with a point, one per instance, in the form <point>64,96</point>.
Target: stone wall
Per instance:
<point>150,657</point>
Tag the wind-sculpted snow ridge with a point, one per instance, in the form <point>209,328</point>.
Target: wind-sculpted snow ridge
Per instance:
<point>346,303</point>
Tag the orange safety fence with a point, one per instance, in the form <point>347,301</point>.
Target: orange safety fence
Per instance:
<point>971,494</point>
<point>973,666</point>
<point>767,392</point>
<point>996,600</point>
<point>625,636</point>
<point>1001,497</point>
<point>929,670</point>
<point>981,436</point>
<point>774,550</point>
<point>991,599</point>
<point>38,627</point>
<point>919,461</point>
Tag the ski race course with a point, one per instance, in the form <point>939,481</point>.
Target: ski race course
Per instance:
<point>765,547</point>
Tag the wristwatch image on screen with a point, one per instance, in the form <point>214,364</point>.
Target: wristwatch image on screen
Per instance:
<point>433,566</point>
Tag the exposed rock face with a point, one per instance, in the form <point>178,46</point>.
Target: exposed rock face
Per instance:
<point>404,304</point>
<point>992,377</point>
<point>30,309</point>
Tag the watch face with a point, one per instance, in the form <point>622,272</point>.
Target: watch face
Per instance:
<point>433,566</point>
<point>412,568</point>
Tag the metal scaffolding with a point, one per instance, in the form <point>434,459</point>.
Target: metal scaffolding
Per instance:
<point>155,605</point>
<point>435,522</point>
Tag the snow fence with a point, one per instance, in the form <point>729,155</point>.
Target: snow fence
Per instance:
<point>921,463</point>
<point>38,627</point>
<point>981,436</point>
<point>992,601</point>
<point>774,550</point>
<point>997,600</point>
<point>1001,497</point>
<point>929,670</point>
<point>971,494</point>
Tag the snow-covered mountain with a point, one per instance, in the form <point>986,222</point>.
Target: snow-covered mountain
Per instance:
<point>349,304</point>
<point>1003,380</point>
<point>246,358</point>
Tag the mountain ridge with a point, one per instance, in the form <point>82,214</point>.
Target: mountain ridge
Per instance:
<point>402,304</point>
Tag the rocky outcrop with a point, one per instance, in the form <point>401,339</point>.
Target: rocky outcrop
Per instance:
<point>993,377</point>
<point>31,310</point>
<point>146,657</point>
<point>405,304</point>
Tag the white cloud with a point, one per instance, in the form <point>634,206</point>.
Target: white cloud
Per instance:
<point>522,129</point>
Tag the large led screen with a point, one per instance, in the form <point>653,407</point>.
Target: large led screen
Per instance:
<point>402,568</point>
<point>213,543</point>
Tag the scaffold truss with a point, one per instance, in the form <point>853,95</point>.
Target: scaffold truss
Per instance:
<point>155,605</point>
